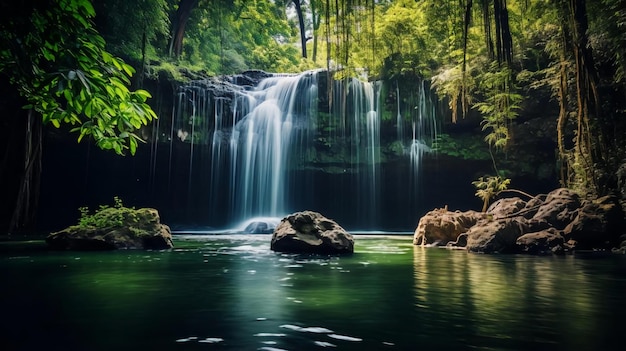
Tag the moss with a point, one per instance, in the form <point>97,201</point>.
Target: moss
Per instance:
<point>115,227</point>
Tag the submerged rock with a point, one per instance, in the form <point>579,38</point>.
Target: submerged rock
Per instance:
<point>311,232</point>
<point>125,229</point>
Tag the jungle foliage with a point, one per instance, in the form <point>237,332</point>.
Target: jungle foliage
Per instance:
<point>481,56</point>
<point>65,74</point>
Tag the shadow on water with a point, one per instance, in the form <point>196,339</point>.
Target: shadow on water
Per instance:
<point>231,292</point>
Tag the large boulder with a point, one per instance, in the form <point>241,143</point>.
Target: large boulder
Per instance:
<point>506,207</point>
<point>548,241</point>
<point>496,235</point>
<point>310,232</point>
<point>121,229</point>
<point>597,225</point>
<point>559,208</point>
<point>441,226</point>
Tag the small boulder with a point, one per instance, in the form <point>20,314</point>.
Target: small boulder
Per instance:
<point>311,232</point>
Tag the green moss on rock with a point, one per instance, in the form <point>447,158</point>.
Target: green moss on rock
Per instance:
<point>114,228</point>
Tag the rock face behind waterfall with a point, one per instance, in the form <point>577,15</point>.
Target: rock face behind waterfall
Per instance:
<point>552,223</point>
<point>132,229</point>
<point>310,232</point>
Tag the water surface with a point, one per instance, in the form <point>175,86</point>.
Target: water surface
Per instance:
<point>230,292</point>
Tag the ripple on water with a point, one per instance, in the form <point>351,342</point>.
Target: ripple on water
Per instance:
<point>324,344</point>
<point>205,340</point>
<point>317,330</point>
<point>344,337</point>
<point>270,334</point>
<point>211,340</point>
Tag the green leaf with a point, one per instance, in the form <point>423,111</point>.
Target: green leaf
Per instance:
<point>133,146</point>
<point>128,69</point>
<point>83,80</point>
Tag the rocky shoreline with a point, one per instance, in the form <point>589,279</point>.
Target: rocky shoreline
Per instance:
<point>555,223</point>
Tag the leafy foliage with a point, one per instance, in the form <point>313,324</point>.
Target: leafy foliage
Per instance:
<point>132,26</point>
<point>500,105</point>
<point>488,187</point>
<point>106,216</point>
<point>58,62</point>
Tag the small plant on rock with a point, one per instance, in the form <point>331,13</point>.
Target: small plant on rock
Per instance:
<point>106,216</point>
<point>490,187</point>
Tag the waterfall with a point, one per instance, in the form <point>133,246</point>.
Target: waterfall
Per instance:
<point>422,119</point>
<point>287,143</point>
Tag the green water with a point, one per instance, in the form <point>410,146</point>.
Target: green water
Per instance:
<point>232,293</point>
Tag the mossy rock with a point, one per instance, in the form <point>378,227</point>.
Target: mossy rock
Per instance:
<point>115,228</point>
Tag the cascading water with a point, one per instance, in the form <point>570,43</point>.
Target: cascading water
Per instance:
<point>284,145</point>
<point>421,116</point>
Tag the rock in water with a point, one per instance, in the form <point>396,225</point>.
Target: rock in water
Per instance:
<point>441,226</point>
<point>310,232</point>
<point>127,229</point>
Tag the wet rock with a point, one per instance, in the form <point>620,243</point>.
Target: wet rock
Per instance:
<point>597,225</point>
<point>259,228</point>
<point>311,232</point>
<point>496,235</point>
<point>532,206</point>
<point>250,78</point>
<point>506,207</point>
<point>558,222</point>
<point>548,241</point>
<point>559,208</point>
<point>441,226</point>
<point>127,229</point>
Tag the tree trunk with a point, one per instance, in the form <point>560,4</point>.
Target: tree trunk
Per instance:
<point>487,28</point>
<point>20,173</point>
<point>316,16</point>
<point>298,6</point>
<point>28,192</point>
<point>179,23</point>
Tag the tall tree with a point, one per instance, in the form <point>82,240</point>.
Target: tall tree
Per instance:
<point>299,11</point>
<point>179,24</point>
<point>316,17</point>
<point>53,57</point>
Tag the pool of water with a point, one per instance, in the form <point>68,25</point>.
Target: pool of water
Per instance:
<point>231,292</point>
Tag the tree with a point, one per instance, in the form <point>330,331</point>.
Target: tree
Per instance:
<point>298,5</point>
<point>133,28</point>
<point>55,59</point>
<point>179,24</point>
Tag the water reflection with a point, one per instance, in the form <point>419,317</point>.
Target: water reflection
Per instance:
<point>233,293</point>
<point>512,302</point>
